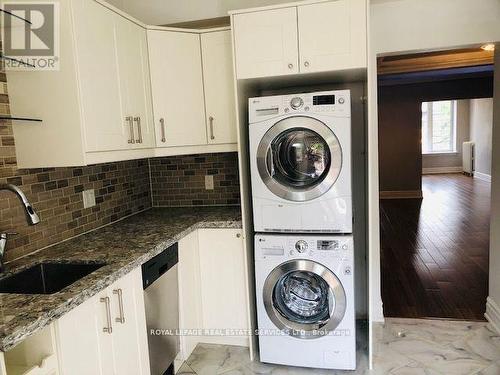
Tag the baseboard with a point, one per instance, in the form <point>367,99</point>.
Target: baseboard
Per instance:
<point>438,170</point>
<point>401,194</point>
<point>492,314</point>
<point>482,176</point>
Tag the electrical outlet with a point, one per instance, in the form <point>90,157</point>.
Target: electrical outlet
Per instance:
<point>88,198</point>
<point>209,182</point>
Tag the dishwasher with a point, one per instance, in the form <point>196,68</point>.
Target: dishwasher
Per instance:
<point>161,299</point>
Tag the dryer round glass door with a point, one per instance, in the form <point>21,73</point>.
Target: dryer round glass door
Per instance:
<point>304,298</point>
<point>299,158</point>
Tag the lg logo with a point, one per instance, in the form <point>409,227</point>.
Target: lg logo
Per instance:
<point>31,34</point>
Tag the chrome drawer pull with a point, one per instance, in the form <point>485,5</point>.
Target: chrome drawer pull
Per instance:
<point>130,121</point>
<point>121,318</point>
<point>211,121</point>
<point>139,130</point>
<point>109,328</point>
<point>162,128</point>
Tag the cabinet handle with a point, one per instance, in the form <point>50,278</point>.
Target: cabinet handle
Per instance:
<point>211,122</point>
<point>121,318</point>
<point>130,121</point>
<point>306,64</point>
<point>139,130</point>
<point>290,66</point>
<point>162,128</point>
<point>109,328</point>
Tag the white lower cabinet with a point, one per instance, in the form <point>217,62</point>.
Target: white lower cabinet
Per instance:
<point>107,333</point>
<point>36,355</point>
<point>212,288</point>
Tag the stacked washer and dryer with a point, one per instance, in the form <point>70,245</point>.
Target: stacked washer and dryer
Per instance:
<point>300,164</point>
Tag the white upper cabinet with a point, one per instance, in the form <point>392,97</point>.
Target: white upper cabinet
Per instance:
<point>266,43</point>
<point>219,87</point>
<point>99,77</point>
<point>332,35</point>
<point>315,37</point>
<point>177,85</point>
<point>97,107</point>
<point>133,65</point>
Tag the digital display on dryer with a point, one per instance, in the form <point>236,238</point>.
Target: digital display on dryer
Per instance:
<point>328,245</point>
<point>323,99</point>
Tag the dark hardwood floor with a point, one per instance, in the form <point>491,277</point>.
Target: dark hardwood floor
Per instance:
<point>434,251</point>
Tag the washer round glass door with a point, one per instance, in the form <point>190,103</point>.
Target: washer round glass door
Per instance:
<point>299,158</point>
<point>304,298</point>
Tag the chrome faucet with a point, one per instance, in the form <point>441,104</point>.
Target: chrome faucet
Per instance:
<point>31,217</point>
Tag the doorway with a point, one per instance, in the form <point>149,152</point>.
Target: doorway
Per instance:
<point>434,213</point>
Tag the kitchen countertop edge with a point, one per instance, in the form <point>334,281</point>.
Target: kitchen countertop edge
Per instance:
<point>9,341</point>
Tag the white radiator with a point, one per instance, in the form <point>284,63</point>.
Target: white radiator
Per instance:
<point>468,157</point>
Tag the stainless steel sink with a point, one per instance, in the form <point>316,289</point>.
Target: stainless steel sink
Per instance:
<point>46,278</point>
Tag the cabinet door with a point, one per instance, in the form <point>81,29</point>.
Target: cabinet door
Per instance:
<point>177,85</point>
<point>129,331</point>
<point>223,284</point>
<point>219,87</point>
<point>98,76</point>
<point>190,311</point>
<point>83,347</point>
<point>266,43</point>
<point>332,35</point>
<point>134,81</point>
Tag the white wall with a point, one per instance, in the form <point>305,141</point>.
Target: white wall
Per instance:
<point>161,12</point>
<point>481,126</point>
<point>493,306</point>
<point>406,26</point>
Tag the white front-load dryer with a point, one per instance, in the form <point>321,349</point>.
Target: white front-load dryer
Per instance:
<point>300,162</point>
<point>305,300</point>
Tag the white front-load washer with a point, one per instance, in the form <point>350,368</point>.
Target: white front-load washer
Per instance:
<point>305,300</point>
<point>300,162</point>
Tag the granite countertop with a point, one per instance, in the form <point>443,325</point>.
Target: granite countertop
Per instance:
<point>123,246</point>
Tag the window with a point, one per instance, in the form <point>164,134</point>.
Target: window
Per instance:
<point>439,133</point>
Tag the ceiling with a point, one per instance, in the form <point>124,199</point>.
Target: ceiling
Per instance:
<point>161,12</point>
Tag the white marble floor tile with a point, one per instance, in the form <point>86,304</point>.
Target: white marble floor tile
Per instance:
<point>420,346</point>
<point>402,347</point>
<point>185,370</point>
<point>494,369</point>
<point>210,359</point>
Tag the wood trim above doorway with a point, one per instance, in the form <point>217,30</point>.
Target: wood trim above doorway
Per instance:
<point>419,62</point>
<point>401,194</point>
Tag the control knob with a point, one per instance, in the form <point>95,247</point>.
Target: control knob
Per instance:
<point>301,246</point>
<point>296,102</point>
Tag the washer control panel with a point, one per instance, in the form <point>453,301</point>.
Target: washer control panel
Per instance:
<point>333,103</point>
<point>303,246</point>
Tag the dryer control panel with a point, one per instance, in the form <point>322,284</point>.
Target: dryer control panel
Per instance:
<point>333,103</point>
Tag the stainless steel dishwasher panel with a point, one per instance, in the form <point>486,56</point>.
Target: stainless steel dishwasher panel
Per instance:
<point>161,297</point>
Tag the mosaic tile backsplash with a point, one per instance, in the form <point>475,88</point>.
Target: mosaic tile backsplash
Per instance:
<point>180,180</point>
<point>121,189</point>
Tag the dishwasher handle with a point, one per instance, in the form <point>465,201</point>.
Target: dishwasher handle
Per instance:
<point>159,265</point>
